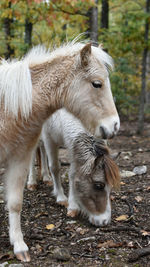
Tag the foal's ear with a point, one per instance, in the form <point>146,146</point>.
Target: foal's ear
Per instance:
<point>115,156</point>
<point>85,53</point>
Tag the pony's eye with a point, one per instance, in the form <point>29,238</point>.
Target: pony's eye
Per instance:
<point>97,84</point>
<point>99,186</point>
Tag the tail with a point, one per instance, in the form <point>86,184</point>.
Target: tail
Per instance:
<point>15,88</point>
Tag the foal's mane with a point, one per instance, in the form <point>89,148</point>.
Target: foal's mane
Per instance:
<point>111,169</point>
<point>15,76</point>
<point>87,148</point>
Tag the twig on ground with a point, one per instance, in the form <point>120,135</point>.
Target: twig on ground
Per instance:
<point>122,228</point>
<point>86,256</point>
<point>138,253</point>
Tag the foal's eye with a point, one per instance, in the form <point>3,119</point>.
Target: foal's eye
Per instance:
<point>99,186</point>
<point>97,84</point>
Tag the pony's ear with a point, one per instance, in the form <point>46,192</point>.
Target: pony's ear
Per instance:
<point>85,53</point>
<point>100,46</point>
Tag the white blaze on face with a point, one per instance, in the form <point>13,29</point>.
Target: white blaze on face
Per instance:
<point>109,124</point>
<point>103,218</point>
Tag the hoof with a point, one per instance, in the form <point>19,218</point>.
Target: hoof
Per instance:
<point>23,256</point>
<point>72,213</point>
<point>32,187</point>
<point>48,183</point>
<point>63,203</point>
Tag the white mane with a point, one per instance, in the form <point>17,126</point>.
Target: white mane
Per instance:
<point>39,54</point>
<point>15,77</point>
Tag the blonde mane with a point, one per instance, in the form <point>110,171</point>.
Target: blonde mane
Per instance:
<point>15,76</point>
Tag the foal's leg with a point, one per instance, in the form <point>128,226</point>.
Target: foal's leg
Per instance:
<point>16,178</point>
<point>44,166</point>
<point>32,179</point>
<point>52,153</point>
<point>73,207</point>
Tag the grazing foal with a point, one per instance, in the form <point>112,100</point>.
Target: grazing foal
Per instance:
<point>74,76</point>
<point>92,171</point>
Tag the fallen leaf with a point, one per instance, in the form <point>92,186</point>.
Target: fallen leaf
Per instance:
<point>110,244</point>
<point>81,231</point>
<point>145,233</point>
<point>135,209</point>
<point>138,198</point>
<point>122,218</point>
<point>50,226</point>
<point>124,197</point>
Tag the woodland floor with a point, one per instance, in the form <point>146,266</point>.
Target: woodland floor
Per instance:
<point>65,245</point>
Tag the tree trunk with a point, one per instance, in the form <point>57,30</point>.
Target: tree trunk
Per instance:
<point>143,75</point>
<point>94,23</point>
<point>7,22</point>
<point>28,34</point>
<point>92,31</point>
<point>105,14</point>
<point>147,98</point>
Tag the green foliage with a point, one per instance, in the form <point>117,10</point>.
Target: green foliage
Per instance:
<point>125,42</point>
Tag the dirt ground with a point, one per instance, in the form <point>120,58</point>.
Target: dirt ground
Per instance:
<point>73,241</point>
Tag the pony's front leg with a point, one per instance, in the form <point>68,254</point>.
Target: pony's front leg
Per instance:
<point>16,178</point>
<point>73,207</point>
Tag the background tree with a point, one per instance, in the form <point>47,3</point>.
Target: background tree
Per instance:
<point>143,75</point>
<point>7,23</point>
<point>93,23</point>
<point>105,14</point>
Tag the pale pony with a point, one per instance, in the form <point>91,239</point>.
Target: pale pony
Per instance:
<point>74,76</point>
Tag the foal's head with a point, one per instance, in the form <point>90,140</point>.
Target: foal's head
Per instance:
<point>95,174</point>
<point>89,96</point>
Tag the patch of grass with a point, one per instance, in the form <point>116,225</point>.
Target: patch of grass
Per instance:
<point>112,251</point>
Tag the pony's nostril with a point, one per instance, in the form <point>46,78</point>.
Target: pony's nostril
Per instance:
<point>116,127</point>
<point>103,132</point>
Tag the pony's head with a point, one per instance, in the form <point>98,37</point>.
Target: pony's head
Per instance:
<point>95,173</point>
<point>75,76</point>
<point>89,96</point>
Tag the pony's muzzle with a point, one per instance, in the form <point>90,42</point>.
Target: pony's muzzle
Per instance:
<point>109,130</point>
<point>100,220</point>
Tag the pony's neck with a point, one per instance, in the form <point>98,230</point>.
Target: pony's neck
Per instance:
<point>50,82</point>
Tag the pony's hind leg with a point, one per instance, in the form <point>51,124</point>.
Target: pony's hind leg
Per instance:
<point>15,181</point>
<point>32,179</point>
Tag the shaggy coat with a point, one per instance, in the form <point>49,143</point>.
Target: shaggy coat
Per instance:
<point>74,76</point>
<point>92,172</point>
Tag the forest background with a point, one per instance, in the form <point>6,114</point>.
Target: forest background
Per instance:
<point>122,27</point>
